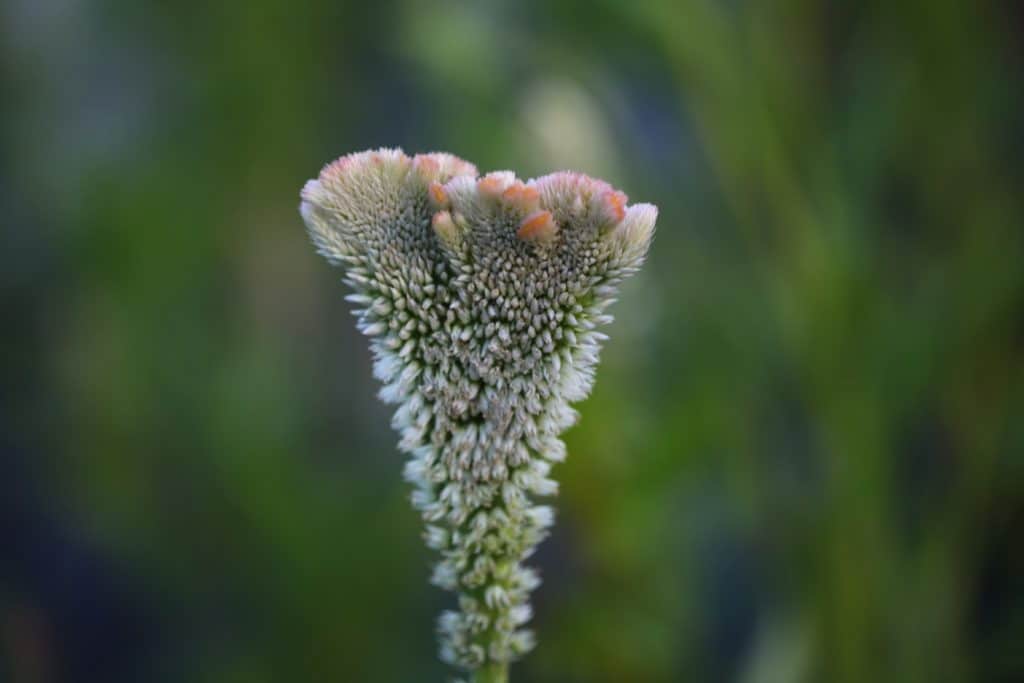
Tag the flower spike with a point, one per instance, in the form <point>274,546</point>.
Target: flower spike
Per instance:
<point>480,296</point>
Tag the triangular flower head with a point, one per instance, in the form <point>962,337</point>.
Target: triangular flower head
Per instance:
<point>481,296</point>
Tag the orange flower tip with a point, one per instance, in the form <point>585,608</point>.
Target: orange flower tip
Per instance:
<point>539,226</point>
<point>441,167</point>
<point>438,194</point>
<point>489,186</point>
<point>523,197</point>
<point>614,205</point>
<point>494,184</point>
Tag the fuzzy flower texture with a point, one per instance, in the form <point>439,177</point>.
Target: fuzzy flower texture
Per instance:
<point>481,297</point>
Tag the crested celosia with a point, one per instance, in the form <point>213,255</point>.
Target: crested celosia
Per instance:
<point>481,297</point>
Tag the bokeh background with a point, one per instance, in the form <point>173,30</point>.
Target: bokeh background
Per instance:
<point>804,457</point>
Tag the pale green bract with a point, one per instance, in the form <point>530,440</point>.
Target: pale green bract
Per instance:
<point>481,297</point>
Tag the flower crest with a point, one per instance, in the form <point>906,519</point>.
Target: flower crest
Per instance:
<point>481,296</point>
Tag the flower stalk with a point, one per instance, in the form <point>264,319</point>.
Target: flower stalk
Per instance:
<point>495,672</point>
<point>481,297</point>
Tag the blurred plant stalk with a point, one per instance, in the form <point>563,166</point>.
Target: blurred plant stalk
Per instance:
<point>492,673</point>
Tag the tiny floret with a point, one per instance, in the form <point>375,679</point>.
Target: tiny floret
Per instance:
<point>537,227</point>
<point>481,297</point>
<point>614,205</point>
<point>445,227</point>
<point>494,184</point>
<point>524,198</point>
<point>438,194</point>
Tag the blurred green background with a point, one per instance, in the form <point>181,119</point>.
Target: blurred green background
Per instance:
<point>804,457</point>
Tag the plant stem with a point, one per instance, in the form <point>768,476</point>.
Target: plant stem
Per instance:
<point>492,673</point>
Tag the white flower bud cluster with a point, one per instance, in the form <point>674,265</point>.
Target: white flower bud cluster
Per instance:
<point>481,297</point>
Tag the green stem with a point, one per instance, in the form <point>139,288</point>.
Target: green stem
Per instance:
<point>491,673</point>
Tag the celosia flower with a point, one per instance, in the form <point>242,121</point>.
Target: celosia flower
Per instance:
<point>481,297</point>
